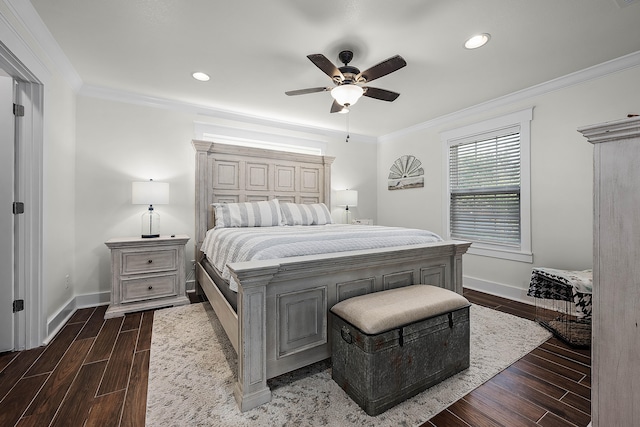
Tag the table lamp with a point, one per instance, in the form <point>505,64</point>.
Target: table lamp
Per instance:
<point>150,193</point>
<point>347,198</point>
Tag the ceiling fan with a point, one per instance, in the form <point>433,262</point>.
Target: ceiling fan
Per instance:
<point>350,82</point>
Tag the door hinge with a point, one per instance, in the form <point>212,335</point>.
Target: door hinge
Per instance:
<point>18,110</point>
<point>18,305</point>
<point>18,208</point>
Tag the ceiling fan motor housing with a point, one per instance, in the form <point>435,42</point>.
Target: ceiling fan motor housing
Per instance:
<point>345,56</point>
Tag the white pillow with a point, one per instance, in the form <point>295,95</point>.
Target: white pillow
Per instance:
<point>248,214</point>
<point>305,214</point>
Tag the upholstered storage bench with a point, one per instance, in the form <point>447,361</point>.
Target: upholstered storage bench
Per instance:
<point>391,345</point>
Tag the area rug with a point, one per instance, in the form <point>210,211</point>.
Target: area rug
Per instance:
<point>192,375</point>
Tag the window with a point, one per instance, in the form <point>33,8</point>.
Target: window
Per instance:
<point>487,194</point>
<point>484,185</point>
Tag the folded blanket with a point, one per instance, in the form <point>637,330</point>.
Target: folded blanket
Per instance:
<point>567,285</point>
<point>582,281</point>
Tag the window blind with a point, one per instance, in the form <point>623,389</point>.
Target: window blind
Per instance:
<point>484,179</point>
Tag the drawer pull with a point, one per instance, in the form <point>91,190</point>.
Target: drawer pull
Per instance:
<point>150,287</point>
<point>150,261</point>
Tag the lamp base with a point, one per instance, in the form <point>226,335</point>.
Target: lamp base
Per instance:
<point>347,214</point>
<point>150,224</point>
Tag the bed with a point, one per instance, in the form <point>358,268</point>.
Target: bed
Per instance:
<point>277,320</point>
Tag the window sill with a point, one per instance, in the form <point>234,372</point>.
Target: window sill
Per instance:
<point>502,253</point>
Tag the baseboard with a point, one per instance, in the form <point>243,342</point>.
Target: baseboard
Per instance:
<point>93,300</point>
<point>56,321</point>
<point>498,289</point>
<point>59,319</point>
<point>191,285</point>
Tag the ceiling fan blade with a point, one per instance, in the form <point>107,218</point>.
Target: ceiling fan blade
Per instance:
<point>382,69</point>
<point>326,66</point>
<point>382,94</point>
<point>305,91</point>
<point>335,107</point>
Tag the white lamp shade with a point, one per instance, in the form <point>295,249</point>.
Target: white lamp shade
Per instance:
<point>150,193</point>
<point>347,197</point>
<point>347,94</point>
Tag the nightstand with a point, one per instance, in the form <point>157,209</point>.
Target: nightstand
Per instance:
<point>146,273</point>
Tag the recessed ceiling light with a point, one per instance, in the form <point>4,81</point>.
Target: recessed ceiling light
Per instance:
<point>201,76</point>
<point>477,41</point>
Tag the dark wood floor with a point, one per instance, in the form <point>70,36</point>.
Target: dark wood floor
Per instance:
<point>550,387</point>
<point>94,373</point>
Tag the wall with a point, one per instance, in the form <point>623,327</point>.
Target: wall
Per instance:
<point>118,143</point>
<point>59,180</point>
<point>360,175</point>
<point>561,179</point>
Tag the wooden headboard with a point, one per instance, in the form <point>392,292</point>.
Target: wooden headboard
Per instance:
<point>230,174</point>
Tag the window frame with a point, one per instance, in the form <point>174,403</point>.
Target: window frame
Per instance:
<point>487,129</point>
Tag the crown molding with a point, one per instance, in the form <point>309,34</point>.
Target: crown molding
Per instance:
<point>597,71</point>
<point>17,48</point>
<point>26,14</point>
<point>203,110</point>
<point>612,131</point>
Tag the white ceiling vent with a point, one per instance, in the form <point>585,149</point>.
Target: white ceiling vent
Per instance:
<point>624,3</point>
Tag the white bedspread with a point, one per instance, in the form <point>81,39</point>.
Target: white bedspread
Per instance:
<point>227,245</point>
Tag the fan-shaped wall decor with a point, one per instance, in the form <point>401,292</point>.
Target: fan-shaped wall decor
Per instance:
<point>406,172</point>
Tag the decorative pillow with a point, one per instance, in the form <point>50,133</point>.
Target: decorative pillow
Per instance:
<point>249,214</point>
<point>305,214</point>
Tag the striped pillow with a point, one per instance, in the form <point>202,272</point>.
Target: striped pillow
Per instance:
<point>305,214</point>
<point>249,214</point>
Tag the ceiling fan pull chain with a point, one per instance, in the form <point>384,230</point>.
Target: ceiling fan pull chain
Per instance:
<point>347,140</point>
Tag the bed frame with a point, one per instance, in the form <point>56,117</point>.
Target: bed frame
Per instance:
<point>282,318</point>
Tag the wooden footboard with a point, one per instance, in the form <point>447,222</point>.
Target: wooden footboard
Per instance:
<point>282,321</point>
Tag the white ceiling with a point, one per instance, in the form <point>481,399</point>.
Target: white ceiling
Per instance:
<point>256,50</point>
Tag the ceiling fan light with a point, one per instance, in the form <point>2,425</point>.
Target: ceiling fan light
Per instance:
<point>477,41</point>
<point>347,94</point>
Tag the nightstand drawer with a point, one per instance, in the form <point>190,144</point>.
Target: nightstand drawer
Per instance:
<point>149,261</point>
<point>144,288</point>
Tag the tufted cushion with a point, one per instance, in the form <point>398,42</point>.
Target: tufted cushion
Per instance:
<point>382,311</point>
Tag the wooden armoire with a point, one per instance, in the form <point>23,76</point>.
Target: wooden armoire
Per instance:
<point>615,383</point>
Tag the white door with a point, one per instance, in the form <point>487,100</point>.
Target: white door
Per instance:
<point>7,175</point>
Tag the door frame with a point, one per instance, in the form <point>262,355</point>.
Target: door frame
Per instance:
<point>7,237</point>
<point>30,324</point>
